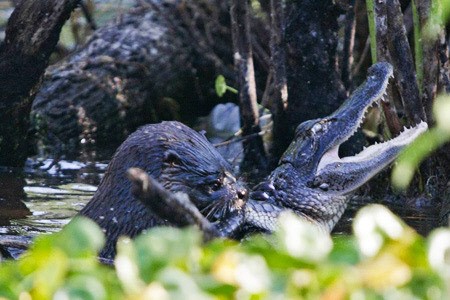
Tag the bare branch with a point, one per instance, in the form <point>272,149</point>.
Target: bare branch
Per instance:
<point>176,208</point>
<point>349,41</point>
<point>430,61</point>
<point>404,65</point>
<point>279,101</point>
<point>390,113</point>
<point>254,153</point>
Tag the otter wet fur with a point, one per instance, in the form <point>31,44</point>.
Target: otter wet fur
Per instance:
<point>179,158</point>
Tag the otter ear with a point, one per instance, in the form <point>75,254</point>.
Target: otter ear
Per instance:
<point>172,158</point>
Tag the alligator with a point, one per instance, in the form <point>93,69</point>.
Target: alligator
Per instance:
<point>311,179</point>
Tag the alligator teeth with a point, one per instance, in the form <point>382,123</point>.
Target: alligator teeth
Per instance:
<point>403,139</point>
<point>371,94</point>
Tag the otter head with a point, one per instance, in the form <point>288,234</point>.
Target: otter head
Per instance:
<point>204,175</point>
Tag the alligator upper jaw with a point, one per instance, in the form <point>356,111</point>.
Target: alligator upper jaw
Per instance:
<point>345,121</point>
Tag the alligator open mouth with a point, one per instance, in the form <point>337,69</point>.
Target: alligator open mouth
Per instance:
<point>404,138</point>
<point>347,173</point>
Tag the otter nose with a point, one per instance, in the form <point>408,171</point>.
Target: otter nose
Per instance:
<point>242,194</point>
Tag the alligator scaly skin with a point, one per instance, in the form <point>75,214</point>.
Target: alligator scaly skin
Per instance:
<point>311,180</point>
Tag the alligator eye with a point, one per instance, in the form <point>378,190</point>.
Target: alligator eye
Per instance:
<point>316,128</point>
<point>318,183</point>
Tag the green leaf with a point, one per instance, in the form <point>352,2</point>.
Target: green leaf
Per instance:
<point>441,111</point>
<point>163,246</point>
<point>127,268</point>
<point>221,86</point>
<point>345,250</point>
<point>80,237</point>
<point>180,285</point>
<point>82,287</point>
<point>410,159</point>
<point>44,272</point>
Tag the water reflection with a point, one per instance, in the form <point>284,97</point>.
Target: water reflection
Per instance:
<point>12,196</point>
<point>45,195</point>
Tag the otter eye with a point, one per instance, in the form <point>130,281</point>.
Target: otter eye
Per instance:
<point>216,185</point>
<point>172,158</point>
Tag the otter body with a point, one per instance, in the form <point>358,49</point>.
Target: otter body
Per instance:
<point>182,160</point>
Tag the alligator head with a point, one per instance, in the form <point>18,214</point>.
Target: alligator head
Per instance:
<point>311,179</point>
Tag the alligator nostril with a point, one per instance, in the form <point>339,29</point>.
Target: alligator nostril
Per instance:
<point>324,186</point>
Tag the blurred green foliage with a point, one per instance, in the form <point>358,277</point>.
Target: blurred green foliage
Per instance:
<point>76,31</point>
<point>384,259</point>
<point>222,87</point>
<point>410,159</point>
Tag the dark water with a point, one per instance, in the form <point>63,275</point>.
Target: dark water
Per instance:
<point>45,195</point>
<point>421,213</point>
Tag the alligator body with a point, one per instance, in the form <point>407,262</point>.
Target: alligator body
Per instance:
<point>311,179</point>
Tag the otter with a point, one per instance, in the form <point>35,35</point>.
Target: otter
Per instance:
<point>181,160</point>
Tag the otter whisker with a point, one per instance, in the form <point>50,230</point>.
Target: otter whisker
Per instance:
<point>208,210</point>
<point>220,206</point>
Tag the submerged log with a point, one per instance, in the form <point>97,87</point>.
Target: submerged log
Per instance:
<point>148,65</point>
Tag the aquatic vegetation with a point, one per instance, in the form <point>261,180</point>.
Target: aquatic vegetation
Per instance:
<point>383,259</point>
